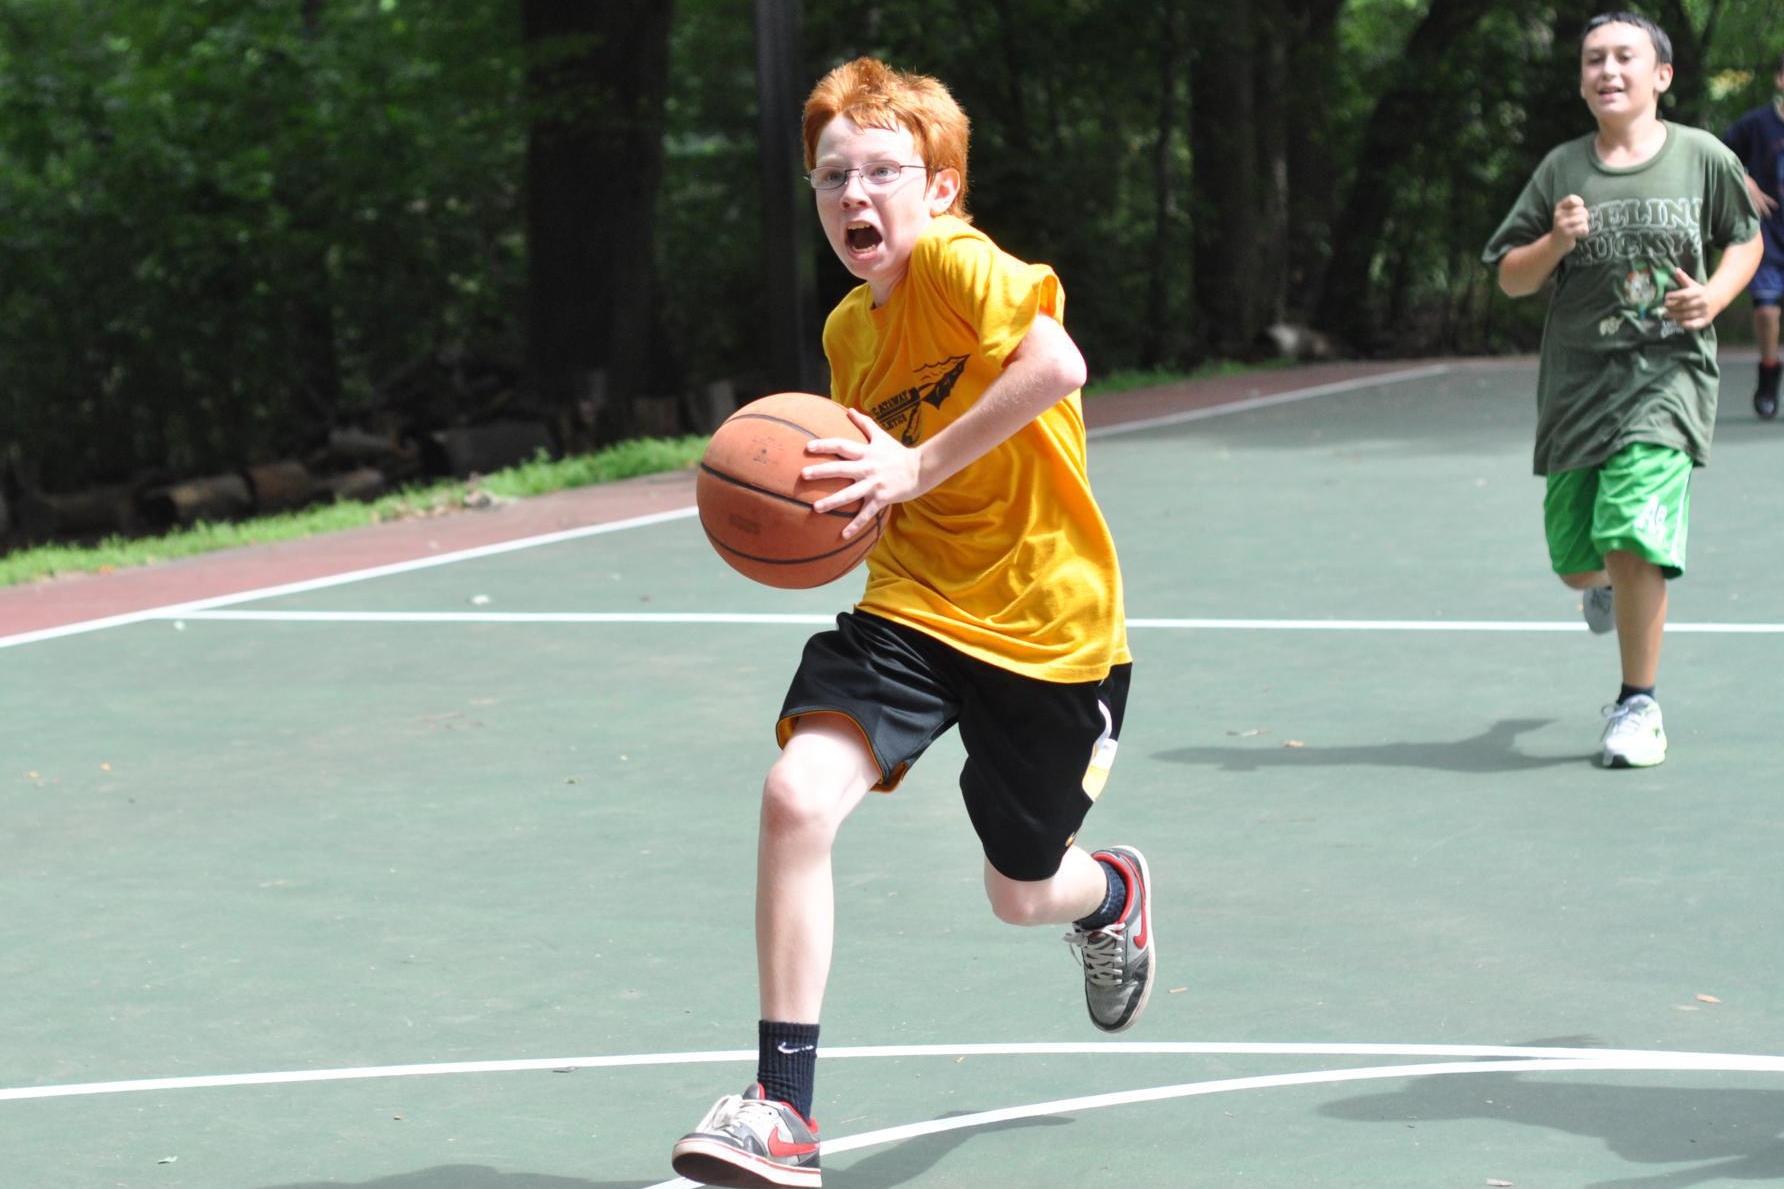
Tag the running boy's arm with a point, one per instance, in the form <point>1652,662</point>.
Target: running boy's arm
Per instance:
<point>1523,270</point>
<point>1765,203</point>
<point>1695,306</point>
<point>1044,369</point>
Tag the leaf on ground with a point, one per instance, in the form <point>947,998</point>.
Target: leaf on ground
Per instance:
<point>1708,999</point>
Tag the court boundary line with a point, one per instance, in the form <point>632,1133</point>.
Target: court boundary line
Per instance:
<point>1475,1059</point>
<point>742,618</point>
<point>343,579</point>
<point>1638,1060</point>
<point>1247,404</point>
<point>126,619</point>
<point>1090,1102</point>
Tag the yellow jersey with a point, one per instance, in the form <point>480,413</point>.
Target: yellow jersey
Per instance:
<point>1009,560</point>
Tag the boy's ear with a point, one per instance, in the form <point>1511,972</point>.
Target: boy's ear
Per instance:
<point>1663,77</point>
<point>944,187</point>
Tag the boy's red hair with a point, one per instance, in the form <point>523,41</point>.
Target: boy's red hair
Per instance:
<point>875,95</point>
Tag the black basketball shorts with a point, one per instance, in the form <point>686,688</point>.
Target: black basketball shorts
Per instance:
<point>1037,752</point>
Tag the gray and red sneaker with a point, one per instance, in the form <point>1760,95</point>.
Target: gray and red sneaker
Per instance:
<point>747,1141</point>
<point>1118,958</point>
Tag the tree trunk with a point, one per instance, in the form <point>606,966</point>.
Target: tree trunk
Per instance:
<point>1310,159</point>
<point>1224,187</point>
<point>1153,343</point>
<point>1395,128</point>
<point>597,79</point>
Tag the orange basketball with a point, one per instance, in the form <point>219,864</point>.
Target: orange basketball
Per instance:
<point>756,509</point>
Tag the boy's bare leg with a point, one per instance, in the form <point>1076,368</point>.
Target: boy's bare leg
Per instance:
<point>1641,615</point>
<point>821,776</point>
<point>1765,332</point>
<point>1075,891</point>
<point>1586,579</point>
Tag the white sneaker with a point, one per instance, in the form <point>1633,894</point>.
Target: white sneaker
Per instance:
<point>1634,736</point>
<point>1595,605</point>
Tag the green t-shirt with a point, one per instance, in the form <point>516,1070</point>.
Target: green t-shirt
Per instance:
<point>1614,371</point>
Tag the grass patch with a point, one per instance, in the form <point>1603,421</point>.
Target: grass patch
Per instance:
<point>1133,379</point>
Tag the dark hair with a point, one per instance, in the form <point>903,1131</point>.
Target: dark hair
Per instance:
<point>1662,43</point>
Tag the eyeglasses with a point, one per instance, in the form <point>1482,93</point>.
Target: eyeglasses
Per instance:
<point>875,174</point>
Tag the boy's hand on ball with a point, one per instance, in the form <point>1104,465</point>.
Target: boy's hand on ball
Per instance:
<point>880,472</point>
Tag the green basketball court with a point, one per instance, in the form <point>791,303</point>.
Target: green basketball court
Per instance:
<point>438,874</point>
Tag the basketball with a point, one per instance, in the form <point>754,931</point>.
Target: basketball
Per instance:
<point>755,507</point>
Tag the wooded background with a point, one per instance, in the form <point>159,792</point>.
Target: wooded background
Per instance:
<point>234,232</point>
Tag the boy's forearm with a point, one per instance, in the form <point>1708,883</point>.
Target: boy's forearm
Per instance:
<point>1043,370</point>
<point>1523,270</point>
<point>1733,273</point>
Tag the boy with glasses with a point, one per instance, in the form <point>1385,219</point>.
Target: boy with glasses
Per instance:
<point>993,601</point>
<point>1625,221</point>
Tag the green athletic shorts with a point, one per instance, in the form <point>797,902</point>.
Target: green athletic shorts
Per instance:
<point>1638,500</point>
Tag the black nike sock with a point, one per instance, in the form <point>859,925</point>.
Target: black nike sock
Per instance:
<point>1630,691</point>
<point>787,1062</point>
<point>1114,901</point>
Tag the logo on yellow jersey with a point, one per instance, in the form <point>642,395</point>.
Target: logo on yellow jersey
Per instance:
<point>901,414</point>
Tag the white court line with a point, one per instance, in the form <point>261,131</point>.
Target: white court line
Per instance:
<point>174,611</point>
<point>739,617</point>
<point>1477,1059</point>
<point>1280,398</point>
<point>1092,1102</point>
<point>1473,1055</point>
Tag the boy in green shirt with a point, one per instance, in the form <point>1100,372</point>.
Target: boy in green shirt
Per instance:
<point>1625,220</point>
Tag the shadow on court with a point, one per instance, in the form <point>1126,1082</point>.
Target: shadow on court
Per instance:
<point>1491,751</point>
<point>1722,1134</point>
<point>469,1176</point>
<point>902,1163</point>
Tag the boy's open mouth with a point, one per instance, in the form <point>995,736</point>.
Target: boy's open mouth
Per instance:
<point>862,238</point>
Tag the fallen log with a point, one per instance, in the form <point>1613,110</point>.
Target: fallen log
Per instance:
<point>97,512</point>
<point>280,486</point>
<point>361,484</point>
<point>481,449</point>
<point>212,498</point>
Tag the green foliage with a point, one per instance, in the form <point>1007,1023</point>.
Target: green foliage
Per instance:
<point>225,223</point>
<point>224,226</point>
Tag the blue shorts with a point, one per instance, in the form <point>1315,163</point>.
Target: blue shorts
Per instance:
<point>1767,286</point>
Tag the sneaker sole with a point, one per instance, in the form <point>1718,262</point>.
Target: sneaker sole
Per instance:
<point>1626,762</point>
<point>1613,760</point>
<point>712,1163</point>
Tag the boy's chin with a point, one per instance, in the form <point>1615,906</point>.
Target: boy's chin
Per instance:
<point>865,269</point>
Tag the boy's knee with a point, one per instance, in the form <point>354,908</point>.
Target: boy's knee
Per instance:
<point>1016,903</point>
<point>789,803</point>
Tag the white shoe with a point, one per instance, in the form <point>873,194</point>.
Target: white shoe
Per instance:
<point>1634,737</point>
<point>1595,605</point>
